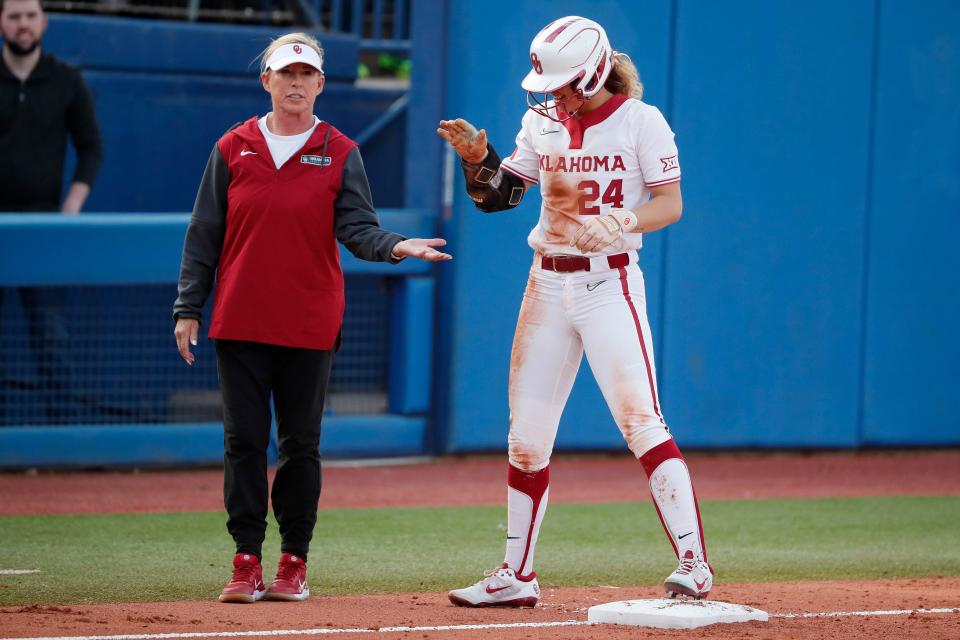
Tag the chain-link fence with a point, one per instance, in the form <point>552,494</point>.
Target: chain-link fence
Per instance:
<point>106,355</point>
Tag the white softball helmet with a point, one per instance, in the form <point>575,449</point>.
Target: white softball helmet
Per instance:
<point>571,50</point>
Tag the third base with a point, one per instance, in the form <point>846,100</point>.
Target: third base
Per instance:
<point>672,614</point>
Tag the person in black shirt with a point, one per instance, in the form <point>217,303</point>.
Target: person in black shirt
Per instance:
<point>42,99</point>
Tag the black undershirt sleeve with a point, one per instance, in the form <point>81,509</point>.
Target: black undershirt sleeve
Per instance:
<point>204,239</point>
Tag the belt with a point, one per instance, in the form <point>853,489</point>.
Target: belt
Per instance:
<point>569,264</point>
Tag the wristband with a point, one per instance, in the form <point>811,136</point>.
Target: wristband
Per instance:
<point>626,218</point>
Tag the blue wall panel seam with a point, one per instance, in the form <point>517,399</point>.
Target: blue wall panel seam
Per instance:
<point>438,428</point>
<point>660,339</point>
<point>868,213</point>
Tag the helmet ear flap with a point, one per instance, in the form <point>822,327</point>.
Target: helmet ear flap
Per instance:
<point>578,86</point>
<point>598,76</point>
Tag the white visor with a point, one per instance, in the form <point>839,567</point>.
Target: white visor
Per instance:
<point>290,53</point>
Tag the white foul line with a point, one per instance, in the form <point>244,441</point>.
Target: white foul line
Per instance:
<point>847,614</point>
<point>457,627</point>
<point>17,572</point>
<point>313,632</point>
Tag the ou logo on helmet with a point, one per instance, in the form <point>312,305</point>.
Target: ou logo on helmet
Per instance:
<point>535,61</point>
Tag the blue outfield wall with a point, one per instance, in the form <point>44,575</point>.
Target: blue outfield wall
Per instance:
<point>764,298</point>
<point>912,361</point>
<point>803,300</point>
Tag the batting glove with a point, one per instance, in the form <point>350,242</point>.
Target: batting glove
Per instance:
<point>597,234</point>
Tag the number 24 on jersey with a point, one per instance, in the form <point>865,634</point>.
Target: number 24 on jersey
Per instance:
<point>590,195</point>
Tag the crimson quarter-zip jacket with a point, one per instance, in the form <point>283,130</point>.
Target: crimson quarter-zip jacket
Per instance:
<point>270,236</point>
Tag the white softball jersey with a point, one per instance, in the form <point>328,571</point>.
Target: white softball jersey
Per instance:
<point>609,158</point>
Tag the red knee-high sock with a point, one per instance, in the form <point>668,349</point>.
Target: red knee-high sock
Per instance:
<point>527,495</point>
<point>675,498</point>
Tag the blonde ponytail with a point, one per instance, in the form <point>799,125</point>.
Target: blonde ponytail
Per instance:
<point>624,77</point>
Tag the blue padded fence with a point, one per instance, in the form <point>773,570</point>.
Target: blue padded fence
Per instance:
<point>123,396</point>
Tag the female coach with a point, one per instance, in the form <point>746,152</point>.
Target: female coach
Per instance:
<point>277,194</point>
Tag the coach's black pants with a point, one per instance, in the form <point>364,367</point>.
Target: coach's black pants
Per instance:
<point>249,372</point>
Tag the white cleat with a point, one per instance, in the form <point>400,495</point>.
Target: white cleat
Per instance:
<point>500,587</point>
<point>693,578</point>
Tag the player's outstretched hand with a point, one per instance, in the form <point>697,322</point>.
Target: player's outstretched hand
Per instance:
<point>422,248</point>
<point>597,234</point>
<point>470,144</point>
<point>186,333</point>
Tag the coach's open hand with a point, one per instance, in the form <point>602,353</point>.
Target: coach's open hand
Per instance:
<point>422,248</point>
<point>186,332</point>
<point>470,144</point>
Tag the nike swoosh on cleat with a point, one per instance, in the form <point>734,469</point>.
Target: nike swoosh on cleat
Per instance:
<point>699,584</point>
<point>489,590</point>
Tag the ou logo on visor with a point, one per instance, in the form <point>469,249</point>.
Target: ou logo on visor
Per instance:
<point>297,49</point>
<point>535,61</point>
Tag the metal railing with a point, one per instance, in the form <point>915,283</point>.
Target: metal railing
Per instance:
<point>382,25</point>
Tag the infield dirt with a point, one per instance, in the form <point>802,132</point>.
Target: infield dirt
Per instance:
<point>451,482</point>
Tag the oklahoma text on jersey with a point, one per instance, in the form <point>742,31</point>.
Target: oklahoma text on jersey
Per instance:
<point>584,164</point>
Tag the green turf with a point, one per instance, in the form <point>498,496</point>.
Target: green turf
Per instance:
<point>186,555</point>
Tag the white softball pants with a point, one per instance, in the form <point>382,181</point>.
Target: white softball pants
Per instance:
<point>600,312</point>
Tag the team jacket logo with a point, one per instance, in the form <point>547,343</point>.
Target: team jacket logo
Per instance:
<point>320,161</point>
<point>670,163</point>
<point>585,164</point>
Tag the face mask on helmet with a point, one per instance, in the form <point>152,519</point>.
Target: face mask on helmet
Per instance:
<point>570,52</point>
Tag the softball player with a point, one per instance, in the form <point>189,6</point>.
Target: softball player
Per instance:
<point>607,168</point>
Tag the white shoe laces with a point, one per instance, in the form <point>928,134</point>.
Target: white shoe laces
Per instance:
<point>687,565</point>
<point>495,572</point>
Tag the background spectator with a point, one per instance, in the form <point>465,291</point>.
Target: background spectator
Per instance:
<point>42,99</point>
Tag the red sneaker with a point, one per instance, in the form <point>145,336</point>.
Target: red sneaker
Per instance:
<point>291,580</point>
<point>247,582</point>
